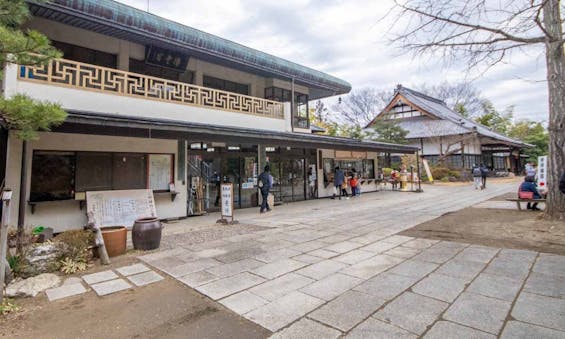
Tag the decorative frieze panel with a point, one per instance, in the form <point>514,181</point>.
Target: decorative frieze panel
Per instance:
<point>61,72</point>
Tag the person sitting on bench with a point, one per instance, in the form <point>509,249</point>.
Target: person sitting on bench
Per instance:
<point>528,187</point>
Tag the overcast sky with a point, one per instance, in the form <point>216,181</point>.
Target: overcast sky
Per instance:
<point>346,39</point>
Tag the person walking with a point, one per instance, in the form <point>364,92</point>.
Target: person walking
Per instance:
<point>476,172</point>
<point>265,183</point>
<point>339,179</point>
<point>484,174</point>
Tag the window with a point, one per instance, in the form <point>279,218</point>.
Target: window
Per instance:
<point>301,113</point>
<point>52,176</point>
<point>58,175</point>
<point>86,55</point>
<point>365,168</point>
<point>225,85</point>
<point>139,66</point>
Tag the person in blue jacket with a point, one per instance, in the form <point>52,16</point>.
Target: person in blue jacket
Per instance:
<point>529,185</point>
<point>339,178</point>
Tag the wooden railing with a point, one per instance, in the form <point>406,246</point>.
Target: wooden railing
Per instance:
<point>67,73</point>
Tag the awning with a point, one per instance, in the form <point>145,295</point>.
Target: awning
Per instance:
<point>111,124</point>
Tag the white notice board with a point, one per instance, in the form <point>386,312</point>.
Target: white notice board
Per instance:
<point>120,207</point>
<point>227,200</point>
<point>160,171</point>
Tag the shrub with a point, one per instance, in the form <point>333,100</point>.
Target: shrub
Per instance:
<point>78,245</point>
<point>440,172</point>
<point>387,171</point>
<point>455,174</point>
<point>17,264</point>
<point>70,266</point>
<point>8,306</point>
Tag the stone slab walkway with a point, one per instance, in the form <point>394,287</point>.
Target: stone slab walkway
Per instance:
<point>330,268</point>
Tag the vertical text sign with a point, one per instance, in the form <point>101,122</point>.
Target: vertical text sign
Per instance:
<point>227,200</point>
<point>542,171</point>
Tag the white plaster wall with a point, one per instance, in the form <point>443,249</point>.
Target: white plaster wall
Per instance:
<point>93,101</point>
<point>432,146</point>
<point>64,215</point>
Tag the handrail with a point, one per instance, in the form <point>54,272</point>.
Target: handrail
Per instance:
<point>68,73</point>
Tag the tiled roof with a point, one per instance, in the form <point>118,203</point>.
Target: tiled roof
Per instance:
<point>451,123</point>
<point>123,21</point>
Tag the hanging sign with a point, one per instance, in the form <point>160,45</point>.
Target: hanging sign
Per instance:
<point>542,172</point>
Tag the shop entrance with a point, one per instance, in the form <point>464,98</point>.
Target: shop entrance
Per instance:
<point>291,174</point>
<point>210,165</point>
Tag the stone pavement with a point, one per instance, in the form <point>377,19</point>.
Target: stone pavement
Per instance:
<point>330,268</point>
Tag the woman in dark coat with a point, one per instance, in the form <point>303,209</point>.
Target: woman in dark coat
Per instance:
<point>529,185</point>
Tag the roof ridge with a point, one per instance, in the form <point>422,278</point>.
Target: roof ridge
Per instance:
<point>400,88</point>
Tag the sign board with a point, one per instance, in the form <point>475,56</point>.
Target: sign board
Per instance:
<point>428,172</point>
<point>160,171</point>
<point>227,200</point>
<point>120,207</point>
<point>542,172</point>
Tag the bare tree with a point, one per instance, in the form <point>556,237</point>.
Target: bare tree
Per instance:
<point>461,97</point>
<point>486,32</point>
<point>361,106</point>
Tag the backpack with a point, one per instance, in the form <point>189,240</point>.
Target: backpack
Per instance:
<point>476,172</point>
<point>260,183</point>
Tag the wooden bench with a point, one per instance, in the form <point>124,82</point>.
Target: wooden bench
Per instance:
<point>518,201</point>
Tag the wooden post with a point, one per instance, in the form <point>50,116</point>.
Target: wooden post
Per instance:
<point>6,197</point>
<point>102,253</point>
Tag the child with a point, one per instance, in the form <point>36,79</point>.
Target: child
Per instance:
<point>353,182</point>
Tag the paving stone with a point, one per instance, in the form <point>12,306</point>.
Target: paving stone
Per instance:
<point>210,253</point>
<point>376,329</point>
<point>368,238</point>
<point>111,286</point>
<point>550,264</point>
<point>332,239</point>
<point>99,277</point>
<point>437,255</point>
<point>354,257</point>
<point>278,244</point>
<point>398,239</point>
<point>243,302</point>
<point>197,278</point>
<point>281,286</point>
<point>306,328</point>
<point>145,278</point>
<point>168,263</point>
<point>465,270</point>
<point>386,285</point>
<point>72,281</point>
<point>516,329</point>
<point>226,286</point>
<point>208,245</point>
<point>524,256</point>
<point>403,252</point>
<point>440,287</point>
<point>347,310</point>
<point>509,268</point>
<point>281,312</point>
<point>132,269</point>
<point>379,246</point>
<point>449,330</point>
<point>331,286</point>
<point>495,286</point>
<point>540,310</point>
<point>309,259</point>
<point>240,254</point>
<point>477,253</point>
<point>322,253</point>
<point>546,284</point>
<point>308,246</point>
<point>322,269</point>
<point>413,268</point>
<point>480,312</point>
<point>273,256</point>
<point>227,270</point>
<point>419,243</point>
<point>278,268</point>
<point>163,254</point>
<point>372,266</point>
<point>342,247</point>
<point>412,312</point>
<point>191,267</point>
<point>450,244</point>
<point>67,290</point>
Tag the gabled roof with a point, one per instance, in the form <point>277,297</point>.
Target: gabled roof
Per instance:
<point>122,21</point>
<point>449,122</point>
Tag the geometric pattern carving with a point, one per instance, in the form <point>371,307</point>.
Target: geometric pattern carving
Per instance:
<point>62,72</point>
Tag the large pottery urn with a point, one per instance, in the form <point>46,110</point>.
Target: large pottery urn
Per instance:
<point>115,240</point>
<point>146,234</point>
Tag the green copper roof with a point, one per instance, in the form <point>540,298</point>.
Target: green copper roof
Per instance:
<point>120,20</point>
